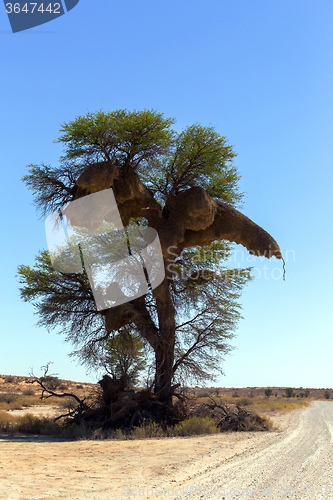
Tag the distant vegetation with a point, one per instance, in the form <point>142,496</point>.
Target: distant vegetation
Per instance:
<point>18,393</point>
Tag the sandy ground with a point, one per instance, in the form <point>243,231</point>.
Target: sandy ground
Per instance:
<point>39,468</point>
<point>40,411</point>
<point>297,463</point>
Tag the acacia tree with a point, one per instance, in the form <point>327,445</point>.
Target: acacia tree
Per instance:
<point>124,356</point>
<point>185,186</point>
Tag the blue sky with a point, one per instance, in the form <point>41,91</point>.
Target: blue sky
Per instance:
<point>261,73</point>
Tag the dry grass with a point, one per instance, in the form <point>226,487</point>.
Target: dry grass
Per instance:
<point>196,426</point>
<point>28,424</point>
<point>10,401</point>
<point>18,393</point>
<point>278,405</point>
<point>262,404</point>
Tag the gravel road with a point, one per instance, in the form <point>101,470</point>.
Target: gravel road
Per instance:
<point>295,463</point>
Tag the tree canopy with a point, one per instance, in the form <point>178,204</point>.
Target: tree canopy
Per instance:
<point>185,186</point>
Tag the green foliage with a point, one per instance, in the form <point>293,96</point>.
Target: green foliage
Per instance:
<point>119,135</point>
<point>61,300</point>
<point>207,312</point>
<point>124,356</point>
<point>327,395</point>
<point>289,392</point>
<point>268,392</point>
<point>52,187</point>
<point>166,161</point>
<point>200,157</point>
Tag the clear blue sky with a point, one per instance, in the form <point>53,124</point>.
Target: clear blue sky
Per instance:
<point>261,72</point>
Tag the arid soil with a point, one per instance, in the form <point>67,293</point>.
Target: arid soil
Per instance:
<point>39,468</point>
<point>39,411</point>
<point>297,463</point>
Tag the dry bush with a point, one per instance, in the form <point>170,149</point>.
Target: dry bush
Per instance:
<point>51,382</point>
<point>28,392</point>
<point>195,426</point>
<point>8,398</point>
<point>63,387</point>
<point>150,430</point>
<point>268,422</point>
<point>29,424</point>
<point>6,421</point>
<point>244,402</point>
<point>280,405</point>
<point>19,401</point>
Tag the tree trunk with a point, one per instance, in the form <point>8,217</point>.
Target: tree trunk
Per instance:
<point>164,350</point>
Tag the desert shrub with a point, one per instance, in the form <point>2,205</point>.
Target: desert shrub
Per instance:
<point>79,386</point>
<point>119,434</point>
<point>8,398</point>
<point>51,382</point>
<point>244,402</point>
<point>268,392</point>
<point>195,426</point>
<point>9,380</point>
<point>149,430</point>
<point>289,392</point>
<point>28,392</point>
<point>19,401</point>
<point>63,387</point>
<point>29,424</point>
<point>6,421</point>
<point>327,395</point>
<point>268,422</point>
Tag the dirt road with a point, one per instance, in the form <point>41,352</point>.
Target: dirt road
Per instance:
<point>299,454</point>
<point>298,463</point>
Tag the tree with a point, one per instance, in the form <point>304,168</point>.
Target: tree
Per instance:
<point>289,392</point>
<point>268,392</point>
<point>183,185</point>
<point>327,394</point>
<point>124,356</point>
